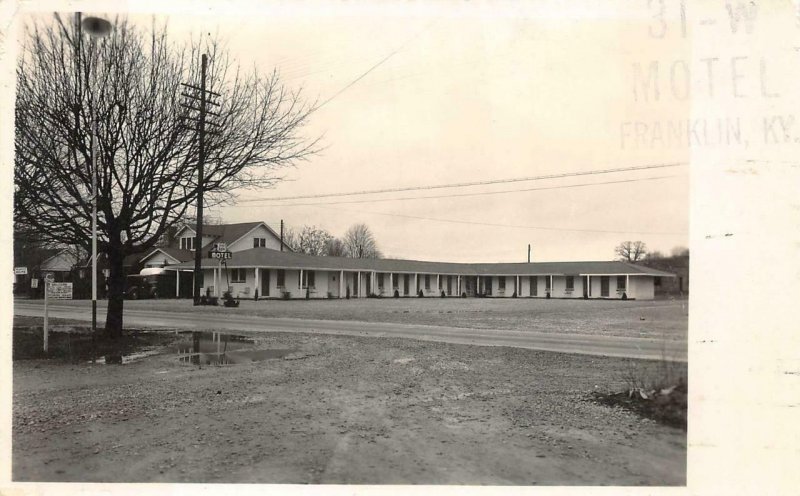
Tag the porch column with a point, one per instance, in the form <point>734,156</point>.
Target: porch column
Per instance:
<point>341,283</point>
<point>216,286</point>
<point>552,290</point>
<point>177,283</point>
<point>300,280</point>
<point>589,283</point>
<point>517,288</point>
<point>391,283</point>
<point>255,281</point>
<point>438,285</point>
<point>416,284</point>
<point>628,285</point>
<point>458,285</point>
<point>358,284</point>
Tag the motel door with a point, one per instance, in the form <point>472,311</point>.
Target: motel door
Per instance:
<point>469,285</point>
<point>406,277</point>
<point>264,282</point>
<point>586,286</point>
<point>604,286</point>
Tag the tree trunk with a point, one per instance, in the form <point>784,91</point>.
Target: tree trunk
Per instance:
<point>116,294</point>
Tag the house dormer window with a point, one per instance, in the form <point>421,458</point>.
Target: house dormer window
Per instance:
<point>187,243</point>
<point>259,242</point>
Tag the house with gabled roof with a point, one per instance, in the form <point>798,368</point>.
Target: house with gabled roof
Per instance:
<point>236,237</point>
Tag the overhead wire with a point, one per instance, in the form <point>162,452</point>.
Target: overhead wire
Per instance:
<point>458,195</point>
<point>468,184</point>
<point>513,226</point>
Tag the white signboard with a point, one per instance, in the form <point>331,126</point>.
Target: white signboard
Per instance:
<point>60,290</point>
<point>221,247</point>
<point>21,271</point>
<point>34,283</point>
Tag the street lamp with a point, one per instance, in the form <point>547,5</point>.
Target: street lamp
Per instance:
<point>97,28</point>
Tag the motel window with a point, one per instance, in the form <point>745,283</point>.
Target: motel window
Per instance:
<point>488,286</point>
<point>501,283</point>
<point>238,275</point>
<point>380,281</point>
<point>259,242</point>
<point>534,283</point>
<point>621,283</point>
<point>187,243</point>
<point>395,281</point>
<point>427,281</point>
<point>570,283</point>
<point>281,278</point>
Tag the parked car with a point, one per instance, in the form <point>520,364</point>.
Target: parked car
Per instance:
<point>150,283</point>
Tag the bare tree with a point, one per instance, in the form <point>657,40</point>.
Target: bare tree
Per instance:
<point>335,248</point>
<point>631,251</point>
<point>130,85</point>
<point>313,241</point>
<point>359,242</point>
<point>291,239</point>
<point>680,251</point>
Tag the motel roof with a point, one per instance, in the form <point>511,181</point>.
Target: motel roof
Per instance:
<point>274,259</point>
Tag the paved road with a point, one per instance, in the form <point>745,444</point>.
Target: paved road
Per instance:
<point>566,343</point>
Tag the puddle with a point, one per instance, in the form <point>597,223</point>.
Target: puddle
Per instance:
<point>75,344</point>
<point>216,348</point>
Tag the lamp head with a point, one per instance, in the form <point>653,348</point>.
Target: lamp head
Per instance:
<point>96,26</point>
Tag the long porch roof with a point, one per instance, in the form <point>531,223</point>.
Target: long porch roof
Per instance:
<point>274,259</point>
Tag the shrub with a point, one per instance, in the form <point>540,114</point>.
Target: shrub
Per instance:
<point>514,294</point>
<point>464,294</point>
<point>255,296</point>
<point>286,295</point>
<point>420,294</point>
<point>443,295</point>
<point>347,293</point>
<point>396,293</point>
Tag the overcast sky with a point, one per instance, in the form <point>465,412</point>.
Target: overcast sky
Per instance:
<point>468,93</point>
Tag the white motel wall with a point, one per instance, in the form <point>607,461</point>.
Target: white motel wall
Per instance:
<point>276,274</point>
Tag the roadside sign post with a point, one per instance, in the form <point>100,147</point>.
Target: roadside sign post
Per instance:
<point>48,278</point>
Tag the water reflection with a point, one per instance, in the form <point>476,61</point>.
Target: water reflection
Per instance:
<point>216,348</point>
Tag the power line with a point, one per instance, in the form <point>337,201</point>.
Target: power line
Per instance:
<point>490,224</point>
<point>476,183</point>
<point>359,78</point>
<point>457,195</point>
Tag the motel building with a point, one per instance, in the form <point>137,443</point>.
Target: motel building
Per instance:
<point>259,266</point>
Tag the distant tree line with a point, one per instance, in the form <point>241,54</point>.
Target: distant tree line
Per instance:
<point>636,251</point>
<point>357,242</point>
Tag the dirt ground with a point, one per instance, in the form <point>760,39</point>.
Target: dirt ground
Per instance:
<point>661,319</point>
<point>354,410</point>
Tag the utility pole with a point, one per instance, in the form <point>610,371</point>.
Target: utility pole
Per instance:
<point>201,96</point>
<point>281,234</point>
<point>529,253</point>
